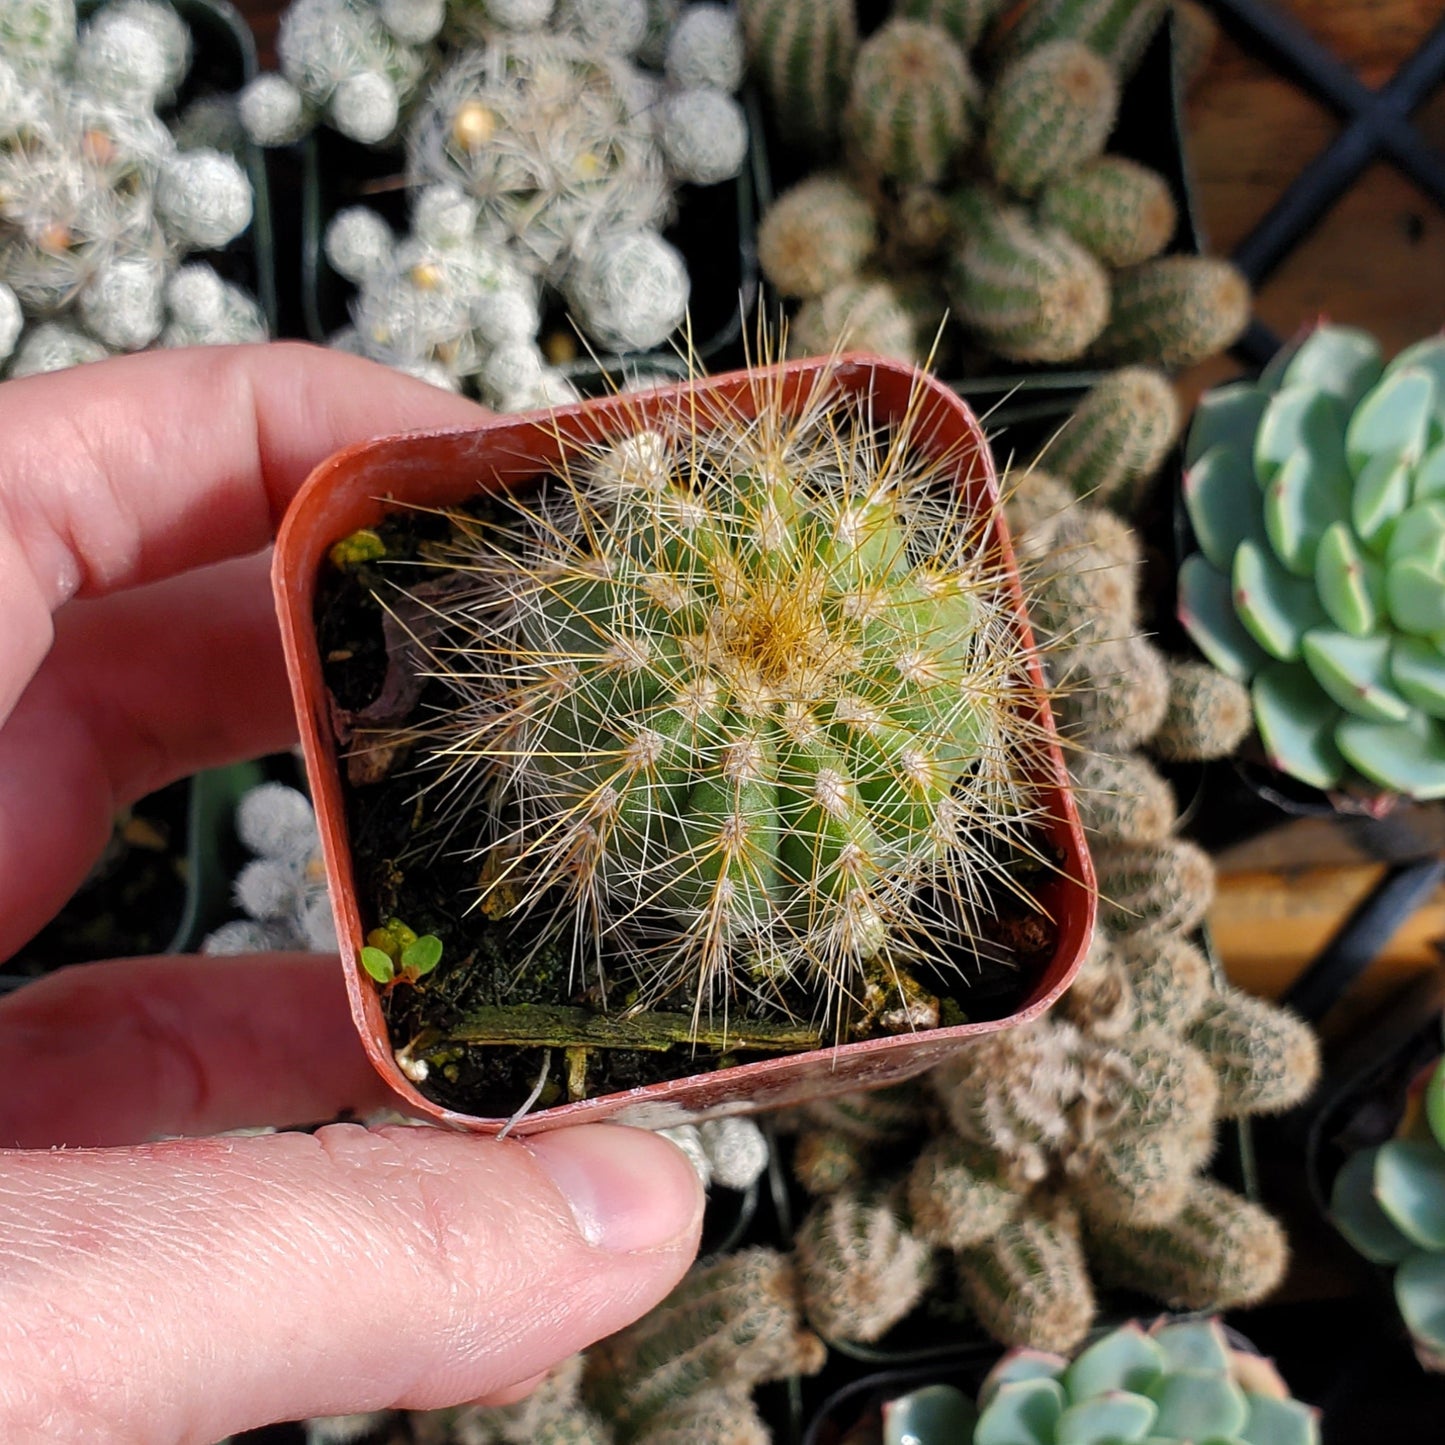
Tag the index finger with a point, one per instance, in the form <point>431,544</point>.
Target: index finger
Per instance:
<point>131,470</point>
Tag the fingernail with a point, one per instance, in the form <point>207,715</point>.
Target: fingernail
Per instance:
<point>627,1189</point>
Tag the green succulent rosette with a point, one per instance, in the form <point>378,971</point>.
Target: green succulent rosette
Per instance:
<point>1317,497</point>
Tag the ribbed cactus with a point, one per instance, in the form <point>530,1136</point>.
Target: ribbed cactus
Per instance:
<point>839,1137</point>
<point>1032,294</point>
<point>1100,1001</point>
<point>955,1197</point>
<point>733,1323</point>
<point>1169,976</point>
<point>778,704</point>
<point>965,20</point>
<point>910,103</point>
<point>1117,30</point>
<point>1117,437</point>
<point>1115,208</point>
<point>1218,1252</point>
<point>865,313</point>
<point>1265,1058</point>
<point>1175,312</point>
<point>1174,1385</point>
<point>816,235</point>
<point>716,1417</point>
<point>802,57</point>
<point>1049,113</point>
<point>1166,885</point>
<point>1196,33</point>
<point>860,1269</point>
<point>1082,595</point>
<point>1110,695</point>
<point>1208,714</point>
<point>1316,498</point>
<point>1034,501</point>
<point>1121,796</point>
<point>1029,1284</point>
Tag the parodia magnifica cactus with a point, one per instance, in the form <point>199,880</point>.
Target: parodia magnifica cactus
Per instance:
<point>757,684</point>
<point>1318,499</point>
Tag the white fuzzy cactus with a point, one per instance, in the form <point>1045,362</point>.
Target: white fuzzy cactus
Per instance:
<point>12,319</point>
<point>53,346</point>
<point>134,50</point>
<point>203,198</point>
<point>123,304</point>
<point>273,111</point>
<point>705,48</point>
<point>358,243</point>
<point>630,291</point>
<point>703,134</point>
<point>37,35</point>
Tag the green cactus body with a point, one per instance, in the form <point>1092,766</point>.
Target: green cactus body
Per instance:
<point>1316,499</point>
<point>1032,294</point>
<point>1100,1001</point>
<point>816,235</point>
<point>1117,437</point>
<point>1175,1384</point>
<point>731,1324</point>
<point>1012,1092</point>
<point>965,20</point>
<point>859,1268</point>
<point>1122,797</point>
<point>1110,695</point>
<point>1029,1283</point>
<point>747,696</point>
<point>1163,887</point>
<point>802,57</point>
<point>861,314</point>
<point>1266,1059</point>
<point>955,1198</point>
<point>1085,597</point>
<point>1175,312</point>
<point>1115,208</point>
<point>1208,715</point>
<point>910,103</point>
<point>716,1417</point>
<point>1218,1252</point>
<point>1132,1177</point>
<point>1117,30</point>
<point>1049,113</point>
<point>1170,978</point>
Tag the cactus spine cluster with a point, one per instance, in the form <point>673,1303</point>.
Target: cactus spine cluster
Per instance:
<point>1320,579</point>
<point>752,699</point>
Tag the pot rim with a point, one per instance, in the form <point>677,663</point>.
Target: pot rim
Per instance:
<point>350,484</point>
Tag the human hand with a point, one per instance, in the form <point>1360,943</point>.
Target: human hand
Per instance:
<point>179,1291</point>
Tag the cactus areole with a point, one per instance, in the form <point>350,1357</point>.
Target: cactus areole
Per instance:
<point>723,695</point>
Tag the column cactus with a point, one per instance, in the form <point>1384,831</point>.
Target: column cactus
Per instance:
<point>1119,210</point>
<point>802,57</point>
<point>1175,312</point>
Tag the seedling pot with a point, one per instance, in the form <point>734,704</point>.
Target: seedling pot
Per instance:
<point>359,487</point>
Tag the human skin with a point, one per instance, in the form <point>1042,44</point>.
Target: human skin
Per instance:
<point>178,1291</point>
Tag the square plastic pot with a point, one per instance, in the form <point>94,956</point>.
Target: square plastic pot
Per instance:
<point>358,487</point>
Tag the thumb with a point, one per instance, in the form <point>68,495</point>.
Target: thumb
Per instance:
<point>179,1292</point>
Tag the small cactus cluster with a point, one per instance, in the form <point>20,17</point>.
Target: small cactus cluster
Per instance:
<point>753,704</point>
<point>1317,496</point>
<point>1071,1151</point>
<point>100,200</point>
<point>542,159</point>
<point>1172,1384</point>
<point>1389,1202</point>
<point>994,194</point>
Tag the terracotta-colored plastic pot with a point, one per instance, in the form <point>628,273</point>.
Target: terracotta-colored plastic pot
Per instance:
<point>358,487</point>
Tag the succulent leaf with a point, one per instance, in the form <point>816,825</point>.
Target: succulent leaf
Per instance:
<point>1357,1214</point>
<point>1208,615</point>
<point>1407,757</point>
<point>1127,1359</point>
<point>1305,498</point>
<point>1299,418</point>
<point>1112,1419</point>
<point>1277,607</point>
<point>1227,416</point>
<point>1381,497</point>
<point>1020,1365</point>
<point>935,1412</point>
<point>1022,1412</point>
<point>1410,1185</point>
<point>1280,1422</point>
<point>1223,504</point>
<point>1430,474</point>
<point>1350,583</point>
<point>1342,360</point>
<point>1420,1294</point>
<point>1427,355</point>
<point>1194,1345</point>
<point>1418,669</point>
<point>1355,671</point>
<point>1199,1405</point>
<point>1297,724</point>
<point>1393,419</point>
<point>1435,1103</point>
